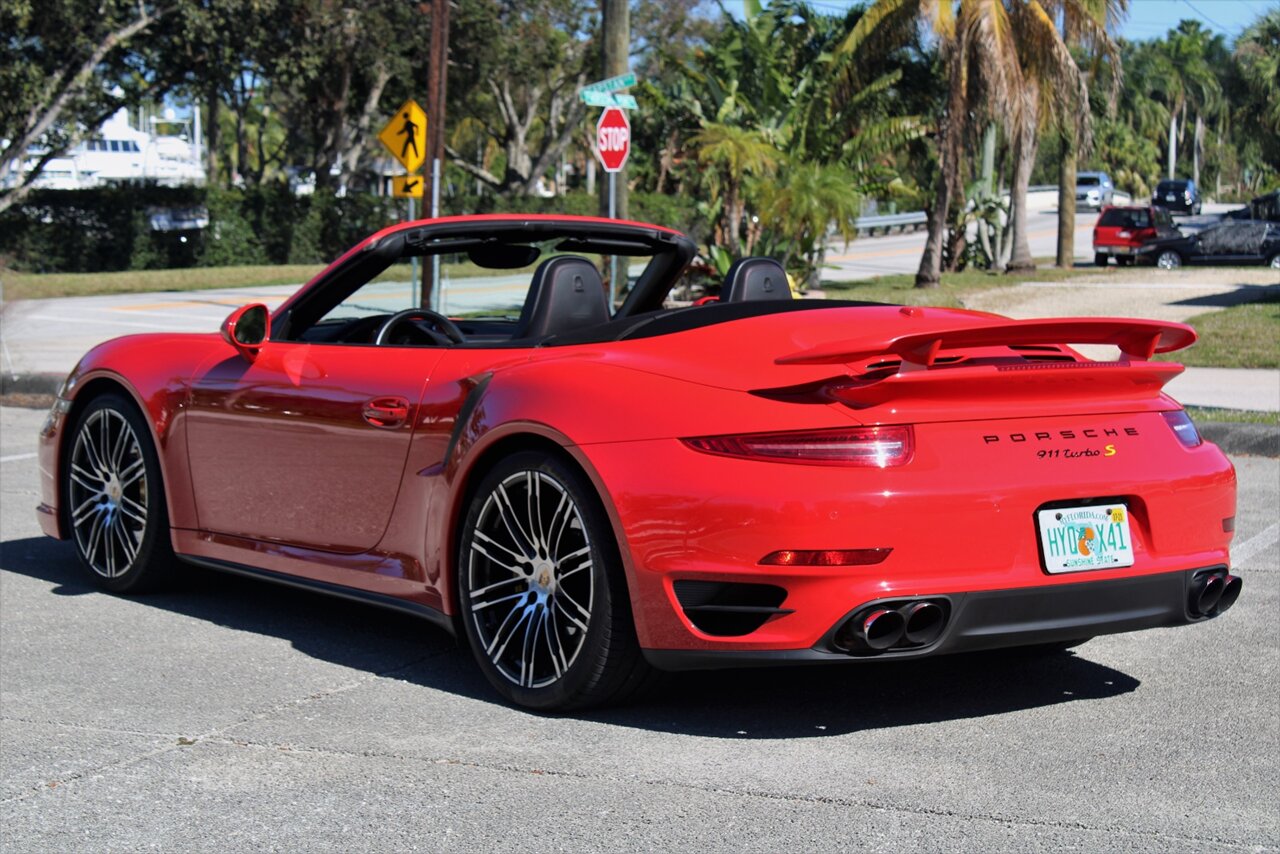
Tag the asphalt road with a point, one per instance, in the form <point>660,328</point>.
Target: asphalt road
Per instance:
<point>236,715</point>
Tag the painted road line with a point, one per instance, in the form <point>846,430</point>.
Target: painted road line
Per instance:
<point>88,322</point>
<point>13,458</point>
<point>1255,544</point>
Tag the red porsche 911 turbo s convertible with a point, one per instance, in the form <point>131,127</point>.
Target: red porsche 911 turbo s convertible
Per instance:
<point>589,493</point>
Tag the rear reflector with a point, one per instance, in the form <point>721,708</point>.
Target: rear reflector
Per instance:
<point>825,557</point>
<point>1180,423</point>
<point>874,447</point>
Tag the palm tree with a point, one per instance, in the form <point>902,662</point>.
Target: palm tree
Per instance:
<point>732,153</point>
<point>804,204</point>
<point>977,47</point>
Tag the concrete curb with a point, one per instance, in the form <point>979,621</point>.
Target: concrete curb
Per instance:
<point>1258,440</point>
<point>30,383</point>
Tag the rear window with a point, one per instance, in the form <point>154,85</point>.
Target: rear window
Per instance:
<point>1122,218</point>
<point>1171,186</point>
<point>1088,180</point>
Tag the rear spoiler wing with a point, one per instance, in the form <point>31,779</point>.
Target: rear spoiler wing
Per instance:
<point>1137,339</point>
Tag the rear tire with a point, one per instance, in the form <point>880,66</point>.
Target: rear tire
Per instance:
<point>1275,261</point>
<point>115,502</point>
<point>541,590</point>
<point>1100,260</point>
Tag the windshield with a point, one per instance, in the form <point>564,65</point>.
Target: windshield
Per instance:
<point>1088,181</point>
<point>1122,218</point>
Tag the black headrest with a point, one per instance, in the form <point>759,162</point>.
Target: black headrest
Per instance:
<point>567,293</point>
<point>753,279</point>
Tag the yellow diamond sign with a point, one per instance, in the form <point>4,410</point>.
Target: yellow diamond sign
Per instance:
<point>406,186</point>
<point>405,136</point>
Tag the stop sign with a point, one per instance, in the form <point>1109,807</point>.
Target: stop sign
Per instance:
<point>613,139</point>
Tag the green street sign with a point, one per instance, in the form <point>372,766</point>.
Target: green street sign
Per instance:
<point>612,84</point>
<point>604,99</point>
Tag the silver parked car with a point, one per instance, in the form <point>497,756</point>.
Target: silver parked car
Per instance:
<point>1094,190</point>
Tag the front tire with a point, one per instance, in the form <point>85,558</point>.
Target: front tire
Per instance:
<point>542,595</point>
<point>1275,261</point>
<point>1168,260</point>
<point>115,498</point>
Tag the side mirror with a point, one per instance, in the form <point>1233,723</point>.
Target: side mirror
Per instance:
<point>246,329</point>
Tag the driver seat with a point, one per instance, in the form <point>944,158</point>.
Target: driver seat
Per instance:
<point>567,293</point>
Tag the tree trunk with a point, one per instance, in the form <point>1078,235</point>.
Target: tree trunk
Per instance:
<point>1067,200</point>
<point>1197,142</point>
<point>1024,161</point>
<point>213,135</point>
<point>733,218</point>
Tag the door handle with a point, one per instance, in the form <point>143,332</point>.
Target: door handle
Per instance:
<point>386,411</point>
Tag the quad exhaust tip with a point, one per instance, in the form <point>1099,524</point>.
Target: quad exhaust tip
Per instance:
<point>1213,593</point>
<point>904,624</point>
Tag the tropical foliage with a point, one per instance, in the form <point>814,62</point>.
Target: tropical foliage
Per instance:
<point>774,126</point>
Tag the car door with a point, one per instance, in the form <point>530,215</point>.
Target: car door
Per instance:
<point>306,444</point>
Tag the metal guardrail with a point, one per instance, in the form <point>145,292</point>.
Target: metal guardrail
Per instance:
<point>891,222</point>
<point>915,220</point>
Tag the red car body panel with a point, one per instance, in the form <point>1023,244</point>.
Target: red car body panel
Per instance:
<point>278,463</point>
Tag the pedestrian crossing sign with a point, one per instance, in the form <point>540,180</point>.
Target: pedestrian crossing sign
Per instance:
<point>405,136</point>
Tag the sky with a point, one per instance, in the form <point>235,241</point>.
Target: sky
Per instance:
<point>1147,18</point>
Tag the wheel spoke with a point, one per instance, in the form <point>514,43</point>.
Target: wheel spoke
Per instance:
<point>82,512</point>
<point>508,513</point>
<point>496,654</point>
<point>533,509</point>
<point>95,540</point>
<point>562,593</point>
<point>506,582</point>
<point>135,508</point>
<point>570,617</point>
<point>559,524</point>
<point>120,447</point>
<point>81,476</point>
<point>136,470</point>
<point>127,545</point>
<point>554,646</point>
<point>480,549</point>
<point>529,647</point>
<point>586,564</point>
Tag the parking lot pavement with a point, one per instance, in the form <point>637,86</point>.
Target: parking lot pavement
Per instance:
<point>231,715</point>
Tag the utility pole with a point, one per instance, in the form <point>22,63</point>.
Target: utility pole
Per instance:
<point>437,83</point>
<point>616,44</point>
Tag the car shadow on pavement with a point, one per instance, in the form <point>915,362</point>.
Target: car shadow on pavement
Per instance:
<point>1241,295</point>
<point>759,703</point>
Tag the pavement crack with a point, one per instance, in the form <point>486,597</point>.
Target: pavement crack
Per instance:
<point>1173,839</point>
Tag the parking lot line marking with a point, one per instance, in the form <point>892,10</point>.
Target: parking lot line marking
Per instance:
<point>13,458</point>
<point>1255,544</point>
<point>167,327</point>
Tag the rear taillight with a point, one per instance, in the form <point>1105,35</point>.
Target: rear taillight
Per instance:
<point>1181,425</point>
<point>874,447</point>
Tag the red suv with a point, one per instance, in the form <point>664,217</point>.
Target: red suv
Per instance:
<point>1121,231</point>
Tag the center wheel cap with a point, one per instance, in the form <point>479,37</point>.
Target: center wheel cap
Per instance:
<point>543,574</point>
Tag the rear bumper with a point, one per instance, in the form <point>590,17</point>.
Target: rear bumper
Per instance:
<point>995,619</point>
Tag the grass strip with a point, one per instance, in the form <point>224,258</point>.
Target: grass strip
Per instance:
<point>1206,414</point>
<point>1242,336</point>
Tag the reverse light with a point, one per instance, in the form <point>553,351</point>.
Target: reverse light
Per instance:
<point>871,447</point>
<point>1182,426</point>
<point>825,557</point>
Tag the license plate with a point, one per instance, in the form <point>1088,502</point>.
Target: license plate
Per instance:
<point>1076,539</point>
<point>1170,198</point>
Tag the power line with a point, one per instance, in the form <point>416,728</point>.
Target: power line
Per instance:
<point>1206,17</point>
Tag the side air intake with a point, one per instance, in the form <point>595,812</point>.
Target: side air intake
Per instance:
<point>729,609</point>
